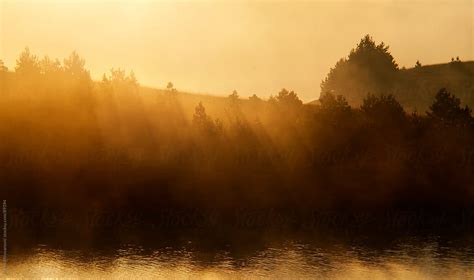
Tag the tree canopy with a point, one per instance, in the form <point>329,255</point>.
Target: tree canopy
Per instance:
<point>447,108</point>
<point>369,68</point>
<point>27,63</point>
<point>383,109</point>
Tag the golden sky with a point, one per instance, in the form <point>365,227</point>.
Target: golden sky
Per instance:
<point>218,46</point>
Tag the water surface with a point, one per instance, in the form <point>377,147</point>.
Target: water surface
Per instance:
<point>276,257</point>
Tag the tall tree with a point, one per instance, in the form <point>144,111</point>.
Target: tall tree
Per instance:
<point>368,68</point>
<point>74,66</point>
<point>447,109</point>
<point>27,63</point>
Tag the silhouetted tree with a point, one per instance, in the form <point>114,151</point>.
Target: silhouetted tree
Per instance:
<point>417,64</point>
<point>330,102</point>
<point>233,98</point>
<point>3,68</point>
<point>74,66</point>
<point>200,115</point>
<point>203,122</point>
<point>256,103</point>
<point>50,67</point>
<point>132,79</point>
<point>368,68</point>
<point>457,60</point>
<point>383,109</point>
<point>3,83</point>
<point>447,109</point>
<point>334,108</point>
<point>27,64</point>
<point>170,88</point>
<point>415,116</point>
<point>255,99</point>
<point>118,82</point>
<point>286,98</point>
<point>118,77</point>
<point>218,126</point>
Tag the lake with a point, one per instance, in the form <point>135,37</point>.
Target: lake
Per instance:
<point>246,255</point>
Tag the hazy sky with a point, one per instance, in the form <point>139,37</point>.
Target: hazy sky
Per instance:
<point>217,46</point>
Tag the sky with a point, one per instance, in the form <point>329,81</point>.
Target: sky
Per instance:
<point>214,47</point>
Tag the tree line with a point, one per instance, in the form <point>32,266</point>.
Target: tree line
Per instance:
<point>66,139</point>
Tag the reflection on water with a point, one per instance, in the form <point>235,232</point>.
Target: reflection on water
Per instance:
<point>408,258</point>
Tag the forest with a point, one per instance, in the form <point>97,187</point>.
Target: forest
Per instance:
<point>378,137</point>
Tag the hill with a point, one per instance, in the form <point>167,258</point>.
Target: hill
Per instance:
<point>416,87</point>
<point>370,68</point>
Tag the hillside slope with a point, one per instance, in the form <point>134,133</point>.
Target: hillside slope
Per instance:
<point>416,87</point>
<point>419,85</point>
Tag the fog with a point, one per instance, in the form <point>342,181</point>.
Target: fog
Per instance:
<point>217,46</point>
